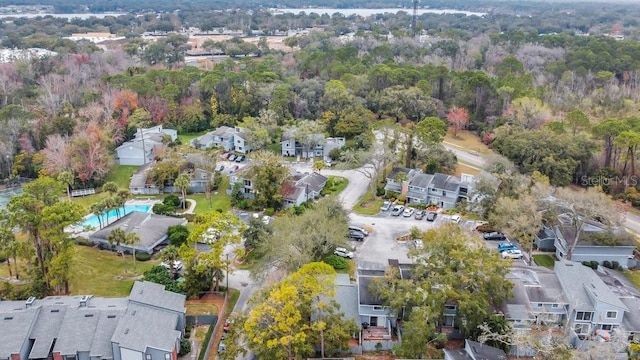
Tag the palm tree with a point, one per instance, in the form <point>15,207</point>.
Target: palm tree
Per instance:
<point>116,237</point>
<point>110,187</point>
<point>109,204</point>
<point>67,178</point>
<point>123,196</point>
<point>182,183</point>
<point>170,254</point>
<point>132,239</point>
<point>97,209</point>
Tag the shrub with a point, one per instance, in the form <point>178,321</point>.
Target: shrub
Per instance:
<point>163,209</point>
<point>172,200</point>
<point>142,256</point>
<point>594,264</point>
<point>485,228</point>
<point>380,191</point>
<point>269,211</point>
<point>83,241</point>
<point>586,263</point>
<point>607,264</point>
<point>3,258</point>
<point>185,347</point>
<point>615,265</point>
<point>205,343</point>
<point>338,263</point>
<point>177,234</point>
<point>402,199</point>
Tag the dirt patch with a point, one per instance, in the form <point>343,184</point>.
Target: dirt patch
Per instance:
<point>209,304</point>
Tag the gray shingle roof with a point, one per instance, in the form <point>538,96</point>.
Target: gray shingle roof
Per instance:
<point>153,294</point>
<point>141,327</point>
<point>101,345</point>
<point>14,329</point>
<point>421,180</point>
<point>347,297</point>
<point>631,320</point>
<point>151,228</point>
<point>46,329</point>
<point>315,181</point>
<point>484,352</point>
<point>72,336</point>
<point>223,131</point>
<point>581,284</point>
<point>445,182</point>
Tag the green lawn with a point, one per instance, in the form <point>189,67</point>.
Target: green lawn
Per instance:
<point>220,201</point>
<point>121,175</point>
<point>89,200</point>
<point>544,260</point>
<point>187,137</point>
<point>96,272</point>
<point>335,185</point>
<point>633,276</point>
<point>368,204</point>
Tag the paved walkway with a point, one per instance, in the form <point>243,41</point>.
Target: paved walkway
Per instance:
<point>192,206</point>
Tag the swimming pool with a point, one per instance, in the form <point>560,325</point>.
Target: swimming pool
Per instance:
<point>92,219</point>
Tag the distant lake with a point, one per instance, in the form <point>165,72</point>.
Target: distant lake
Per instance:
<point>369,12</point>
<point>67,16</point>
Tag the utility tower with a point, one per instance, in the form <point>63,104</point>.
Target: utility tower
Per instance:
<point>415,17</point>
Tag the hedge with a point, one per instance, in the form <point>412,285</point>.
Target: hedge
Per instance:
<point>142,256</point>
<point>205,343</point>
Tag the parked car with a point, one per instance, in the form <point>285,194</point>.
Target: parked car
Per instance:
<point>240,158</point>
<point>418,244</point>
<point>177,265</point>
<point>432,216</point>
<point>456,219</point>
<point>386,205</point>
<point>219,167</point>
<point>408,212</point>
<point>340,251</point>
<point>507,246</point>
<point>420,214</point>
<point>494,236</point>
<point>511,254</point>
<point>227,326</point>
<point>356,235</point>
<point>232,157</point>
<point>266,219</point>
<point>221,347</point>
<point>397,210</point>
<point>359,229</point>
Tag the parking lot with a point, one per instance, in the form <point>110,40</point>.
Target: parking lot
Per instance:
<point>381,245</point>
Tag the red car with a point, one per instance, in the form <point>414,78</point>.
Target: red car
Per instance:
<point>227,326</point>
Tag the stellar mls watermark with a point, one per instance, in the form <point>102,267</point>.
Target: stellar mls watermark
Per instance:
<point>608,181</point>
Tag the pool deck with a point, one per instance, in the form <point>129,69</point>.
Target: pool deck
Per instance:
<point>79,231</point>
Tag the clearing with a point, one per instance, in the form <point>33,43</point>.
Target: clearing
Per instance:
<point>467,140</point>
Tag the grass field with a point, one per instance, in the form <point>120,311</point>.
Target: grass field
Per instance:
<point>466,169</point>
<point>544,260</point>
<point>468,141</point>
<point>121,175</point>
<point>220,201</point>
<point>202,308</point>
<point>633,276</point>
<point>98,272</point>
<point>187,137</point>
<point>368,205</point>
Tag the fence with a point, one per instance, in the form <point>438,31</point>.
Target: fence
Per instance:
<point>202,319</point>
<point>216,329</point>
<point>83,192</point>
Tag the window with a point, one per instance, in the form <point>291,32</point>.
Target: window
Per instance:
<point>584,316</point>
<point>378,308</point>
<point>612,314</point>
<point>581,328</point>
<point>554,305</point>
<point>247,183</point>
<point>167,356</point>
<point>607,327</point>
<point>539,304</point>
<point>148,356</point>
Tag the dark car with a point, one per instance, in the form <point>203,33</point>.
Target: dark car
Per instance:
<point>494,236</point>
<point>356,235</point>
<point>432,216</point>
<point>420,214</point>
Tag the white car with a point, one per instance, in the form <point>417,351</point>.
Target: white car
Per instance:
<point>340,251</point>
<point>177,265</point>
<point>266,220</point>
<point>408,212</point>
<point>418,244</point>
<point>511,254</point>
<point>385,206</point>
<point>456,219</point>
<point>397,210</point>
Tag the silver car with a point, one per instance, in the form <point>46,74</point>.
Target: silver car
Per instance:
<point>340,251</point>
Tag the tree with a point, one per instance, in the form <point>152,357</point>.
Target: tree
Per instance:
<point>583,206</point>
<point>131,239</point>
<point>267,177</point>
<point>520,218</point>
<point>177,235</point>
<point>607,131</point>
<point>318,165</point>
<point>295,314</point>
<point>110,187</point>
<point>300,239</point>
<point>257,232</point>
<point>182,183</point>
<point>170,254</point>
<point>528,113</point>
<point>39,214</point>
<point>116,237</point>
<point>91,155</point>
<point>7,238</point>
<point>577,120</point>
<point>452,267</point>
<point>458,119</point>
<point>67,178</point>
<point>225,228</point>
